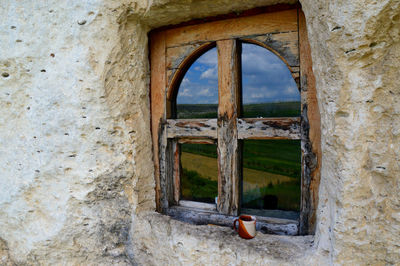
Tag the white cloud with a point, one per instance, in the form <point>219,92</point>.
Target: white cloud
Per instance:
<point>185,92</point>
<point>256,95</point>
<point>210,58</point>
<point>205,92</point>
<point>290,90</point>
<point>185,82</point>
<point>262,93</point>
<point>210,73</point>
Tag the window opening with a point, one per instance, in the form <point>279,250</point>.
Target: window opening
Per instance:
<point>271,178</point>
<point>271,168</point>
<point>253,114</point>
<point>198,91</point>
<point>199,172</point>
<point>268,87</point>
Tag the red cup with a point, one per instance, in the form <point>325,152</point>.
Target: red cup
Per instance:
<point>247,226</point>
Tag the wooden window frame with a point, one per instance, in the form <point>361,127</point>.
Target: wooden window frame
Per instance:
<point>280,29</point>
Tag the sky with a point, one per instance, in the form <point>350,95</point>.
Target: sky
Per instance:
<point>265,78</point>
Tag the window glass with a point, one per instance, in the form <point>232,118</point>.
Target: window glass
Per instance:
<point>268,88</point>
<point>198,92</point>
<point>271,178</point>
<point>199,172</point>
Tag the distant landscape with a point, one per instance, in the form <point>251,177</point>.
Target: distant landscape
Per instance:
<point>279,109</point>
<point>271,168</point>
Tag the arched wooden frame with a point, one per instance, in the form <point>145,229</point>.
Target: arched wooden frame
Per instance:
<point>172,91</point>
<point>279,28</point>
<point>263,45</point>
<point>179,74</point>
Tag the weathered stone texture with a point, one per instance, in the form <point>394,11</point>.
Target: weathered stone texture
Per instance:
<point>76,170</point>
<point>356,52</point>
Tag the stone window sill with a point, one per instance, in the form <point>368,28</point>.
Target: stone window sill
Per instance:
<point>210,243</point>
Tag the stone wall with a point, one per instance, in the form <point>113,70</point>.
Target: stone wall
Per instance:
<point>76,170</point>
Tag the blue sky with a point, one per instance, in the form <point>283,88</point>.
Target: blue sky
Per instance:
<point>265,78</point>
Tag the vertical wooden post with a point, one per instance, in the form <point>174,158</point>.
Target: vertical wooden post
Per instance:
<point>157,97</point>
<point>177,170</point>
<point>228,149</point>
<point>310,135</point>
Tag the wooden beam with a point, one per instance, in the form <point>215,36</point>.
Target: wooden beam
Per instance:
<point>197,141</point>
<point>282,21</point>
<point>228,148</point>
<point>232,15</point>
<point>311,135</point>
<point>192,128</point>
<point>248,128</point>
<point>206,217</point>
<point>197,205</point>
<point>269,128</point>
<point>177,170</point>
<point>157,97</point>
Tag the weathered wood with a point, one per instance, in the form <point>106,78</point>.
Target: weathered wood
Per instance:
<point>192,128</point>
<point>204,217</point>
<point>177,170</point>
<point>269,128</point>
<point>170,171</point>
<point>284,44</point>
<point>164,167</point>
<point>248,128</point>
<point>282,21</point>
<point>197,141</point>
<point>228,105</point>
<point>311,135</point>
<point>178,61</point>
<point>198,205</point>
<point>275,30</point>
<point>286,215</point>
<point>157,94</point>
<point>233,15</point>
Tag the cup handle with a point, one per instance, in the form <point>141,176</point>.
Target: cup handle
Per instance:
<point>234,224</point>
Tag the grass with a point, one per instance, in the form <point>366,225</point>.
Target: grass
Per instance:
<point>207,167</point>
<point>287,194</point>
<point>271,168</point>
<point>200,175</point>
<point>197,110</point>
<point>197,188</point>
<point>205,150</point>
<point>281,157</point>
<point>280,109</point>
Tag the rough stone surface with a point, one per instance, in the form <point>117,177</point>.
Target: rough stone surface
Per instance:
<point>76,170</point>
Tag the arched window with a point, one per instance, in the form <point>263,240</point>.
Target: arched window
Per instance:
<point>231,123</point>
<point>271,168</point>
<point>198,91</point>
<point>197,97</point>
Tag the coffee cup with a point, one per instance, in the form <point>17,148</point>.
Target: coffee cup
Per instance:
<point>246,227</point>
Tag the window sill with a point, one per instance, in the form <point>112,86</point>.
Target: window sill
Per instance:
<point>160,239</point>
<point>266,225</point>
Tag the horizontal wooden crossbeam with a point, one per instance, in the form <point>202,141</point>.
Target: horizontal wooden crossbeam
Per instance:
<point>248,128</point>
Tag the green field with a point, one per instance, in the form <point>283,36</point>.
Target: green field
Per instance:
<point>271,168</point>
<point>280,109</point>
<point>274,156</point>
